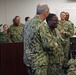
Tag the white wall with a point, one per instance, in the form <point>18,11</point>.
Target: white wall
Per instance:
<point>2,12</point>
<point>11,8</point>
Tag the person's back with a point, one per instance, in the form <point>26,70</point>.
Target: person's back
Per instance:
<point>36,42</point>
<point>33,43</point>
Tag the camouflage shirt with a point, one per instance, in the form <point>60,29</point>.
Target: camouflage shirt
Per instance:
<point>67,27</point>
<point>72,26</point>
<point>6,38</point>
<point>15,32</point>
<point>38,43</point>
<point>57,56</point>
<point>72,67</point>
<point>1,37</point>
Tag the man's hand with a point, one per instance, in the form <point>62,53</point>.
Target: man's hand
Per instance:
<point>62,31</point>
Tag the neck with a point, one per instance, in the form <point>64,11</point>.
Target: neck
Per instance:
<point>16,25</point>
<point>52,28</point>
<point>67,20</point>
<point>41,16</point>
<point>63,20</point>
<point>5,31</point>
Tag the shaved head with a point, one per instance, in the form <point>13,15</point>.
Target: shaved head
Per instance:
<point>17,20</point>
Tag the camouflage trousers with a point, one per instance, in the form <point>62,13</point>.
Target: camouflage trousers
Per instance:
<point>39,70</point>
<point>72,73</point>
<point>66,53</point>
<point>54,69</point>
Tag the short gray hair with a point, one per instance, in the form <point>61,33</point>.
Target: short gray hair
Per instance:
<point>41,8</point>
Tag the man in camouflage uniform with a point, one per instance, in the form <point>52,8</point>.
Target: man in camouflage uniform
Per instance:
<point>37,42</point>
<point>72,67</point>
<point>66,31</point>
<point>15,31</point>
<point>6,38</point>
<point>67,19</point>
<point>40,44</point>
<point>56,58</point>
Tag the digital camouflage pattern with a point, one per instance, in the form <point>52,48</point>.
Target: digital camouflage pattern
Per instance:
<point>6,38</point>
<point>41,47</point>
<point>69,32</point>
<point>15,32</point>
<point>72,67</point>
<point>57,57</point>
<point>67,27</point>
<point>72,26</point>
<point>1,37</point>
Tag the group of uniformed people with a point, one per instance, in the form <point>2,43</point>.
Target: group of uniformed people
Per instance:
<point>46,45</point>
<point>14,32</point>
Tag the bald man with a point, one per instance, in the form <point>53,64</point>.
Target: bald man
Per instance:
<point>37,42</point>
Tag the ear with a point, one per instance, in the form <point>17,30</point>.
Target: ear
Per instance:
<point>44,12</point>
